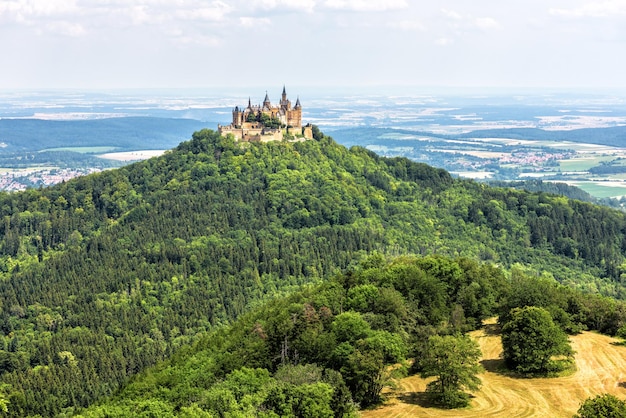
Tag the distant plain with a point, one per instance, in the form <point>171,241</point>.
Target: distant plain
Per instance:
<point>495,136</point>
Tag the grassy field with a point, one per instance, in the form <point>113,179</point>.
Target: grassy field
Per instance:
<point>583,163</point>
<point>599,190</point>
<point>601,367</point>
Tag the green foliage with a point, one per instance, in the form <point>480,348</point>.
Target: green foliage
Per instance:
<point>454,361</point>
<point>602,406</point>
<point>531,341</point>
<point>107,275</point>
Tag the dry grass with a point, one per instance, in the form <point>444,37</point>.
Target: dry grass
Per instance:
<point>600,368</point>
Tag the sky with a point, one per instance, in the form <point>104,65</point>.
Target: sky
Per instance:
<point>329,44</point>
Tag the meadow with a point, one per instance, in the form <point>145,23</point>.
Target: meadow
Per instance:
<point>600,362</point>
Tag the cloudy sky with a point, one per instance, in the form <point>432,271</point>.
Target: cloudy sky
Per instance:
<point>102,44</point>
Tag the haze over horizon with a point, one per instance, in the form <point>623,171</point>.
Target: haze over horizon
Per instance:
<point>94,44</point>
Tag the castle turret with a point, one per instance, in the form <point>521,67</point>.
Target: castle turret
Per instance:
<point>298,105</point>
<point>266,102</point>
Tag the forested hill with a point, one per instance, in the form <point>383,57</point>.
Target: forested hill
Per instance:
<point>107,274</point>
<point>613,136</point>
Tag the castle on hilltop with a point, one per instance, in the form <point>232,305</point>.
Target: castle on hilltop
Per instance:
<point>266,122</point>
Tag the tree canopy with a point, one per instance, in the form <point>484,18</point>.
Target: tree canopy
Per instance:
<point>106,275</point>
<point>602,406</point>
<point>531,341</point>
<point>453,359</point>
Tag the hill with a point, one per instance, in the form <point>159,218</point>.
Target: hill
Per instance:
<point>342,341</point>
<point>108,274</point>
<point>600,365</point>
<point>613,136</point>
<point>126,133</point>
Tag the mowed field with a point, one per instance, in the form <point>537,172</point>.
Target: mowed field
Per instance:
<point>601,367</point>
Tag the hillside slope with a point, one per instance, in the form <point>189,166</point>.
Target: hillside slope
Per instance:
<point>600,369</point>
<point>108,274</point>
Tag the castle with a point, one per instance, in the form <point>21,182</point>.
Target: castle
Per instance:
<point>266,122</point>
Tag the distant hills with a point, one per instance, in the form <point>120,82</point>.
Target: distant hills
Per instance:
<point>122,134</point>
<point>613,136</point>
<point>108,274</point>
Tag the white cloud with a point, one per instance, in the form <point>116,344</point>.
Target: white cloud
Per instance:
<point>451,14</point>
<point>66,28</point>
<point>302,5</point>
<point>460,21</point>
<point>201,40</point>
<point>28,8</point>
<point>444,41</point>
<point>216,12</point>
<point>599,9</point>
<point>366,5</point>
<point>486,23</point>
<point>408,25</point>
<point>251,22</point>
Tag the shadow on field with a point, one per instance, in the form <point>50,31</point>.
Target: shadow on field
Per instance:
<point>416,398</point>
<point>492,329</point>
<point>494,365</point>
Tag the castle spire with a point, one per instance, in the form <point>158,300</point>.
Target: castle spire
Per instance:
<point>298,105</point>
<point>249,103</point>
<point>266,102</point>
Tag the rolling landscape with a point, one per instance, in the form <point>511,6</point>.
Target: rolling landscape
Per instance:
<point>312,209</point>
<point>121,290</point>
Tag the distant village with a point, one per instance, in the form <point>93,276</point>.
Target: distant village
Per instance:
<point>19,180</point>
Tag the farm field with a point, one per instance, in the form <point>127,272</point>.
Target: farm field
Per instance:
<point>132,155</point>
<point>600,368</point>
<point>583,163</point>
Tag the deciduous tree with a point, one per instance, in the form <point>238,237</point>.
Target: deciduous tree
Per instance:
<point>454,361</point>
<point>531,341</point>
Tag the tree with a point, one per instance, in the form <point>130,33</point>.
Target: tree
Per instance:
<point>454,360</point>
<point>531,340</point>
<point>602,406</point>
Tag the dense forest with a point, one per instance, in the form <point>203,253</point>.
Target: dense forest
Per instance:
<point>106,275</point>
<point>329,348</point>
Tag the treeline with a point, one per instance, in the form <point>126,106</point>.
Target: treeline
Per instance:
<point>105,275</point>
<point>331,346</point>
<point>562,189</point>
<point>613,136</point>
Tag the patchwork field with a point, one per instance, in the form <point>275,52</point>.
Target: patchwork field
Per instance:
<point>601,368</point>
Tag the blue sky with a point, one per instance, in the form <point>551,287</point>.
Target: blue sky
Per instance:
<point>103,44</point>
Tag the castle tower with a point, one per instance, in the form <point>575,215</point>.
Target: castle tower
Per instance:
<point>238,118</point>
<point>285,104</point>
<point>266,102</point>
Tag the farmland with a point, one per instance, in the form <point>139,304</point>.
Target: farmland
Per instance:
<point>600,368</point>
